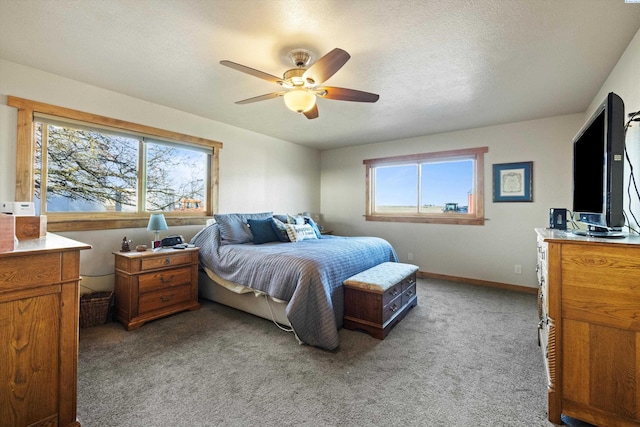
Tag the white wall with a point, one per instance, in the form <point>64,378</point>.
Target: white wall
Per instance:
<point>257,173</point>
<point>487,252</point>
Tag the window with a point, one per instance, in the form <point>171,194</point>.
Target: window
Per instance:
<point>443,187</point>
<point>98,173</point>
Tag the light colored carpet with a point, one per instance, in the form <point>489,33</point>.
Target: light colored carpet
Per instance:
<point>465,356</point>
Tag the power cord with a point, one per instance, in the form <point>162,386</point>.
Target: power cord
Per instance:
<point>633,117</point>
<point>628,224</point>
<point>273,317</point>
<point>573,223</point>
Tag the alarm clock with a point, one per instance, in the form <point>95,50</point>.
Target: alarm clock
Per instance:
<point>172,241</point>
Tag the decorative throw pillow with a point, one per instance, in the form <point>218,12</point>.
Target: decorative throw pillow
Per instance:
<point>298,219</point>
<point>312,223</point>
<point>280,229</point>
<point>262,230</point>
<point>234,228</point>
<point>282,217</point>
<point>298,233</point>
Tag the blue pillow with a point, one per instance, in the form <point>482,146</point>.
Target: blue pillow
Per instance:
<point>284,218</point>
<point>311,222</point>
<point>233,227</point>
<point>280,229</point>
<point>262,231</point>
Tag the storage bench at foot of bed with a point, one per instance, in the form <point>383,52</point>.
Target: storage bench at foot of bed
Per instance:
<point>376,299</point>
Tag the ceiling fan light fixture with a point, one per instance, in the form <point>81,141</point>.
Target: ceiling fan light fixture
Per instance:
<point>299,100</point>
<point>301,85</point>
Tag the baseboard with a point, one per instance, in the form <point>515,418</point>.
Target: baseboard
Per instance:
<point>516,288</point>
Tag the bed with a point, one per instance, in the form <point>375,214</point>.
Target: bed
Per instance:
<point>298,283</point>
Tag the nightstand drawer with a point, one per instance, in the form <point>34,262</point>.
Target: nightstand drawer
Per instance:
<point>164,279</point>
<point>165,261</point>
<point>164,298</point>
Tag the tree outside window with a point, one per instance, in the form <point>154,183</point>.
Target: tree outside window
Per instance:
<point>99,171</point>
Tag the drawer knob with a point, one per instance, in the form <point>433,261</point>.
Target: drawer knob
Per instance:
<point>166,280</point>
<point>394,308</point>
<point>167,261</point>
<point>166,298</point>
<point>409,293</point>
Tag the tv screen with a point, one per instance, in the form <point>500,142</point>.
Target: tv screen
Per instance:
<point>598,170</point>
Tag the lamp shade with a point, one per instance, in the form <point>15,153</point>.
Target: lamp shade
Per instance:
<point>157,223</point>
<point>299,100</point>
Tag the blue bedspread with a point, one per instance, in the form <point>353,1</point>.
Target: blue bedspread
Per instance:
<point>307,274</point>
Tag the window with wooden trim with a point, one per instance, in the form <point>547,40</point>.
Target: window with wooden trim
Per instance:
<point>91,172</point>
<point>445,187</point>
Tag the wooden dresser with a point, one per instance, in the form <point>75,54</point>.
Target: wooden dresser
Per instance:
<point>589,307</point>
<point>39,303</point>
<point>150,285</point>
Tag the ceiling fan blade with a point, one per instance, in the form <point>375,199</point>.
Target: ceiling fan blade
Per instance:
<point>312,113</point>
<point>342,94</point>
<point>253,72</point>
<point>261,98</point>
<point>326,66</point>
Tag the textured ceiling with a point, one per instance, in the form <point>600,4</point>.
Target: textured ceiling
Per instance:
<point>438,65</point>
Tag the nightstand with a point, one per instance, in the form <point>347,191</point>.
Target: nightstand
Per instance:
<point>150,285</point>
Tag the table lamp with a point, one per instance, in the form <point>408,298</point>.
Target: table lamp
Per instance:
<point>157,223</point>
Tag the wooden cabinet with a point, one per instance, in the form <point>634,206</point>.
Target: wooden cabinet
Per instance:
<point>150,285</point>
<point>589,307</point>
<point>377,299</point>
<point>39,316</point>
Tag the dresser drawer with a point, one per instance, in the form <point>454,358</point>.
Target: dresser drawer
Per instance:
<point>391,293</point>
<point>408,294</point>
<point>165,261</point>
<point>408,282</point>
<point>164,279</point>
<point>30,271</point>
<point>156,300</point>
<point>392,308</point>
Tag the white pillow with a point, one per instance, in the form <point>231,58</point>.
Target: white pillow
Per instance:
<point>298,233</point>
<point>298,219</point>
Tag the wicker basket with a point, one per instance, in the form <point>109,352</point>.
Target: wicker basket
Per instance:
<point>94,308</point>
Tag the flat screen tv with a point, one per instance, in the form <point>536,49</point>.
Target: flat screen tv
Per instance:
<point>598,171</point>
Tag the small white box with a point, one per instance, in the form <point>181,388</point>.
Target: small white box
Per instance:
<point>18,208</point>
<point>6,207</point>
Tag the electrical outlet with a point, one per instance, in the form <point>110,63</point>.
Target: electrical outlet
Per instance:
<point>410,256</point>
<point>517,269</point>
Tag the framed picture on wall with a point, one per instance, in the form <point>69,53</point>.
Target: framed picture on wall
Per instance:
<point>513,182</point>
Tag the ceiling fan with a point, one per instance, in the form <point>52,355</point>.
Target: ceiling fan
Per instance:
<point>301,85</point>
